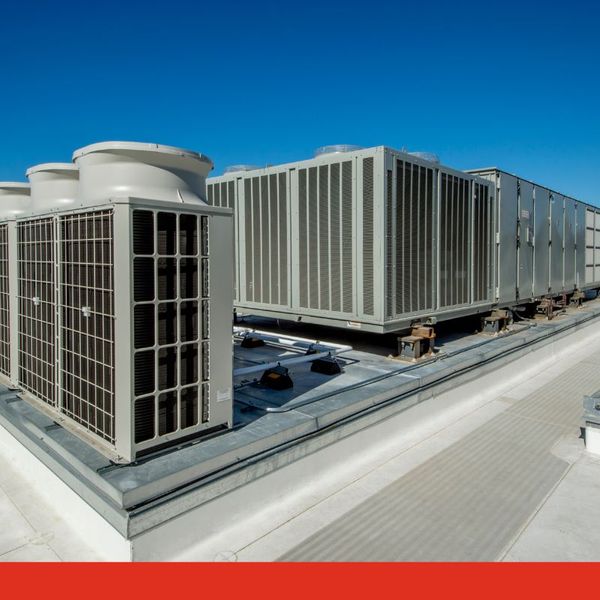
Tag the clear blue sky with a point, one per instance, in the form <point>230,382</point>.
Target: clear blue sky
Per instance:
<point>515,85</point>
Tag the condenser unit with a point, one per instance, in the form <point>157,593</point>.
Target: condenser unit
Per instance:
<point>53,187</point>
<point>132,282</point>
<point>14,200</point>
<point>373,239</point>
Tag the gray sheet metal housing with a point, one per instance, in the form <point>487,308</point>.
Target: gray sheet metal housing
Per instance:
<point>546,242</point>
<point>372,239</point>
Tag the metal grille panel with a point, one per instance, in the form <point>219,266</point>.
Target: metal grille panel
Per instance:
<point>265,229</point>
<point>368,269</point>
<point>171,323</point>
<point>454,240</point>
<point>482,224</point>
<point>414,238</point>
<point>389,245</point>
<point>4,303</point>
<point>87,321</point>
<point>37,308</point>
<point>325,237</point>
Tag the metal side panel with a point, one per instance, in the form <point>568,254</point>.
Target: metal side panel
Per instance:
<point>597,247</point>
<point>557,209</point>
<point>36,241</point>
<point>525,240</point>
<point>590,228</point>
<point>507,230</point>
<point>569,245</point>
<point>541,241</point>
<point>580,245</point>
<point>86,322</point>
<point>410,226</point>
<point>5,316</point>
<point>483,242</point>
<point>455,240</point>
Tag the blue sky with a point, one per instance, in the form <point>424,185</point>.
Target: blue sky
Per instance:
<point>509,84</point>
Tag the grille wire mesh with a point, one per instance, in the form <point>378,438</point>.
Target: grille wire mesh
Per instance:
<point>4,303</point>
<point>37,308</point>
<point>87,321</point>
<point>171,322</point>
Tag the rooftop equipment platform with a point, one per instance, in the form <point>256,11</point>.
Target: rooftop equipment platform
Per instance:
<point>273,429</point>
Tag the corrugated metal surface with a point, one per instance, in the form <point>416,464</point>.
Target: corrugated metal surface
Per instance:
<point>37,308</point>
<point>4,302</point>
<point>87,321</point>
<point>455,231</point>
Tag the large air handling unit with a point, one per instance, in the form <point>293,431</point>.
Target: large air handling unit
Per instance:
<point>370,238</point>
<point>124,298</point>
<point>546,240</point>
<point>380,239</point>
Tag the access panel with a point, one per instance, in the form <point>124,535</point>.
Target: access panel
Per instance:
<point>525,239</point>
<point>556,242</point>
<point>541,241</point>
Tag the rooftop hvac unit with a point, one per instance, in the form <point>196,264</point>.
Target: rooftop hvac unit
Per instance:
<point>14,201</point>
<point>138,315</point>
<point>53,188</point>
<point>373,239</point>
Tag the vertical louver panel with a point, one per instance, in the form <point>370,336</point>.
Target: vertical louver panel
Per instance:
<point>283,239</point>
<point>257,247</point>
<point>482,223</point>
<point>413,237</point>
<point>4,303</point>
<point>313,238</point>
<point>171,322</point>
<point>325,236</point>
<point>335,228</point>
<point>368,268</point>
<point>454,240</point>
<point>347,239</point>
<point>87,321</point>
<point>303,236</point>
<point>37,308</point>
<point>264,240</point>
<point>265,227</point>
<point>389,245</point>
